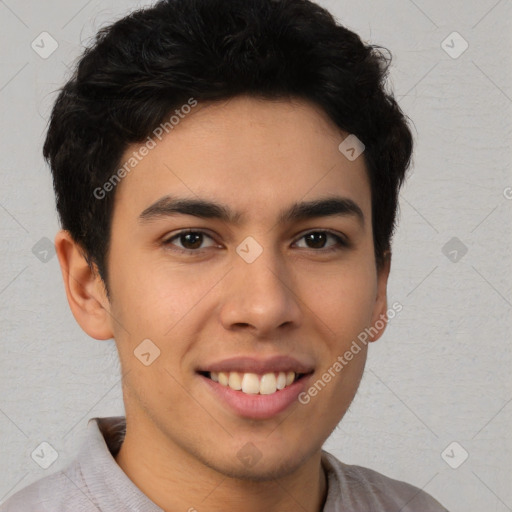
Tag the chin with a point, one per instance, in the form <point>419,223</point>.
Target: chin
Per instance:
<point>253,465</point>
<point>261,471</point>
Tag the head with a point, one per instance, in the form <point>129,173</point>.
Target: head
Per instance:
<point>243,104</point>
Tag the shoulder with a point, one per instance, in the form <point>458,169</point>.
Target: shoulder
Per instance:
<point>58,492</point>
<point>362,488</point>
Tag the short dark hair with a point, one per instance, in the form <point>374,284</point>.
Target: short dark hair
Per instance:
<point>147,64</point>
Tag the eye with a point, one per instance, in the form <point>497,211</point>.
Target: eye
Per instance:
<point>317,240</point>
<point>191,240</point>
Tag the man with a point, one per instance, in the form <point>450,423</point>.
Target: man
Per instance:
<point>227,175</point>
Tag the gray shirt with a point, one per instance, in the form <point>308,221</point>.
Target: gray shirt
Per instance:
<point>94,482</point>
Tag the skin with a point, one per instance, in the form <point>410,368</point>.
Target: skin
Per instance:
<point>258,157</point>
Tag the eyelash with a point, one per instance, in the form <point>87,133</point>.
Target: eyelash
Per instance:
<point>342,243</point>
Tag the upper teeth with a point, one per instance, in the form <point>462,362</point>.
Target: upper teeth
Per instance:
<point>251,383</point>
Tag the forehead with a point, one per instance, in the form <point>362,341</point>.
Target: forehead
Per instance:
<point>252,154</point>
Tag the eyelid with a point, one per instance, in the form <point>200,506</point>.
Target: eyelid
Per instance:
<point>168,238</point>
<point>342,240</point>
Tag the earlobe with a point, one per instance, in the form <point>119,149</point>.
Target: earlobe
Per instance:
<point>380,316</point>
<point>85,289</point>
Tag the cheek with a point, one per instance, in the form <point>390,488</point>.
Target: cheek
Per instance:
<point>150,298</point>
<point>154,389</point>
<point>343,299</point>
<point>164,305</point>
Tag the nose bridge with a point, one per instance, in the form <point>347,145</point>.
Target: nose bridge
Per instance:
<point>266,274</point>
<point>259,293</point>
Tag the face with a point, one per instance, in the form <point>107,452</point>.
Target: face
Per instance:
<point>268,288</point>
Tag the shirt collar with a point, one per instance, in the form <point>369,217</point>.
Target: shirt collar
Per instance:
<point>97,461</point>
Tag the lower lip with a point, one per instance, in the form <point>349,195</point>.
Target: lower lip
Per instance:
<point>258,407</point>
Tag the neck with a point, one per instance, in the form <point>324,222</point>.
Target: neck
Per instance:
<point>176,480</point>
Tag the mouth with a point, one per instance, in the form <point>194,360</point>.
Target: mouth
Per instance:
<point>254,387</point>
<point>253,383</point>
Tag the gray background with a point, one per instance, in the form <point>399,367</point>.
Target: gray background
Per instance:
<point>441,372</point>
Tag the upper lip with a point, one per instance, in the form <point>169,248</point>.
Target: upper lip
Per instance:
<point>259,365</point>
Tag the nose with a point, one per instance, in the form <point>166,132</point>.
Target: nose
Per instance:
<point>260,296</point>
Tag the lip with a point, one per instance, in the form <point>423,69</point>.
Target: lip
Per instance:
<point>260,366</point>
<point>256,407</point>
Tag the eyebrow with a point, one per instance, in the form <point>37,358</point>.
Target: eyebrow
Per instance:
<point>168,206</point>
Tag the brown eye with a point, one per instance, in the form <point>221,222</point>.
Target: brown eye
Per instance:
<point>318,239</point>
<point>189,240</point>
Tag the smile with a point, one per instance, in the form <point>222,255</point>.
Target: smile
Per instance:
<point>255,387</point>
<point>254,384</point>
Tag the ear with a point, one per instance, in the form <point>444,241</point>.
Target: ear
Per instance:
<point>85,289</point>
<point>380,316</point>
